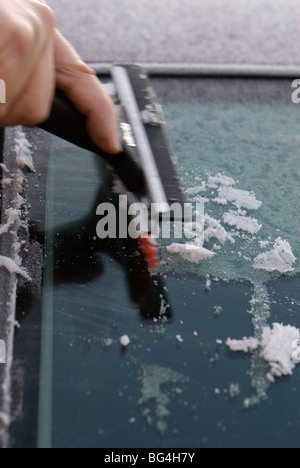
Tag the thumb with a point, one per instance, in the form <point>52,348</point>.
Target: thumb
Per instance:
<point>83,88</point>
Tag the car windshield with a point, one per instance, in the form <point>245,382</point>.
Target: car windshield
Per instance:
<point>188,378</point>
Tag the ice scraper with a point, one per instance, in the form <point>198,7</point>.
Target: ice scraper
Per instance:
<point>146,166</point>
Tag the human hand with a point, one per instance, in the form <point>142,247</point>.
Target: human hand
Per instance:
<point>34,59</point>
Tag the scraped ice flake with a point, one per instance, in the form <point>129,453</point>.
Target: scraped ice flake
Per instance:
<point>5,419</point>
<point>108,342</point>
<point>4,168</point>
<point>24,153</point>
<point>242,223</point>
<point>196,190</point>
<point>277,348</point>
<point>264,244</point>
<point>218,310</point>
<point>125,341</point>
<point>280,258</point>
<point>208,283</point>
<point>240,198</point>
<point>245,345</point>
<point>234,390</point>
<point>132,421</point>
<point>191,253</point>
<point>6,182</point>
<point>247,403</point>
<point>214,230</point>
<point>220,201</point>
<point>179,338</point>
<point>12,267</point>
<point>220,179</point>
<point>12,218</point>
<point>155,389</point>
<point>199,199</point>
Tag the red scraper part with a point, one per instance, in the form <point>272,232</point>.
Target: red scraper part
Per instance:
<point>150,251</point>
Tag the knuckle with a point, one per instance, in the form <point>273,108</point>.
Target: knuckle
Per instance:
<point>47,15</point>
<point>21,40</point>
<point>32,31</point>
<point>35,31</point>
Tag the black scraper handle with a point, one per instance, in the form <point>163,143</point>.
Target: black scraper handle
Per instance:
<point>66,122</point>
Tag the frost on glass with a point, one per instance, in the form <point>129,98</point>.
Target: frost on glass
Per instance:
<point>251,220</point>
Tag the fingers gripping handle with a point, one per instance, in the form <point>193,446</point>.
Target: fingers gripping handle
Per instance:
<point>66,122</point>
